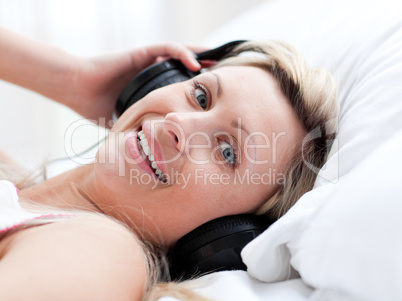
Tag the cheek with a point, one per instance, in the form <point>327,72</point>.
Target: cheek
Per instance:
<point>159,100</point>
<point>215,194</point>
<point>263,183</point>
<point>202,193</point>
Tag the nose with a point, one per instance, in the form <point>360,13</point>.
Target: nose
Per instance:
<point>188,128</point>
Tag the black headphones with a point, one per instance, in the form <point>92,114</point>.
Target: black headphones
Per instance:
<point>216,245</point>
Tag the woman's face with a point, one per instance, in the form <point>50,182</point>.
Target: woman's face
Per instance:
<point>219,142</point>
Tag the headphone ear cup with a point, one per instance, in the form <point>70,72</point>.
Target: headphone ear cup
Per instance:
<point>166,78</point>
<point>151,78</point>
<point>215,246</point>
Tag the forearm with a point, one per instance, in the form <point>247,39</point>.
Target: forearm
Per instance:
<point>33,65</point>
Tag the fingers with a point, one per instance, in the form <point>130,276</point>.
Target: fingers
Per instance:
<point>177,51</point>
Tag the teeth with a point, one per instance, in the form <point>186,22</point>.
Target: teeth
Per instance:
<point>147,151</point>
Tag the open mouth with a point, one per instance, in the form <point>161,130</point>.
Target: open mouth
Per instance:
<point>147,154</point>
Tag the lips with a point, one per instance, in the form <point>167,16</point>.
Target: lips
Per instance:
<point>139,149</point>
<point>146,153</point>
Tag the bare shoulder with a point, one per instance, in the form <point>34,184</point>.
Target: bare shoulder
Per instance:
<point>88,258</point>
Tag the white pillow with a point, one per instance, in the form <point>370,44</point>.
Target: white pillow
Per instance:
<point>343,237</point>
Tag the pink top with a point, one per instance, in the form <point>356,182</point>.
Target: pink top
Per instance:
<point>13,215</point>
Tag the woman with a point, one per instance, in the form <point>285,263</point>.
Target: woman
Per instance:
<point>239,138</point>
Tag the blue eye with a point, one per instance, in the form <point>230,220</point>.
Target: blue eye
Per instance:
<point>228,153</point>
<point>201,97</point>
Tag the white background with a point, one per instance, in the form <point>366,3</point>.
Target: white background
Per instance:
<point>34,129</point>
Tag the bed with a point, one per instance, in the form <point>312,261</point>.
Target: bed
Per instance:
<point>342,240</point>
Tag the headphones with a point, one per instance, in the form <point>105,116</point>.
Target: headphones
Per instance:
<point>216,245</point>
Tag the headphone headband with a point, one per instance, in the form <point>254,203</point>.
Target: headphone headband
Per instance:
<point>218,53</point>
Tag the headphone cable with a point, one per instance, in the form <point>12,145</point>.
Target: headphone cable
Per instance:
<point>61,159</point>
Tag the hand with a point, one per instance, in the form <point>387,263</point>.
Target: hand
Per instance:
<point>94,84</point>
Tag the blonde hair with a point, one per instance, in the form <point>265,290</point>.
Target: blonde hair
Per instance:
<point>312,94</point>
<point>11,171</point>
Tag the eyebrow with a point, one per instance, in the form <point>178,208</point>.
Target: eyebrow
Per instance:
<point>218,84</point>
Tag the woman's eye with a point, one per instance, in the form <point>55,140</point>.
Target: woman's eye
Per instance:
<point>228,153</point>
<point>201,97</point>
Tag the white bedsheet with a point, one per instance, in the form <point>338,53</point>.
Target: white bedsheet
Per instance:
<point>344,238</point>
<point>244,287</point>
<point>238,285</point>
